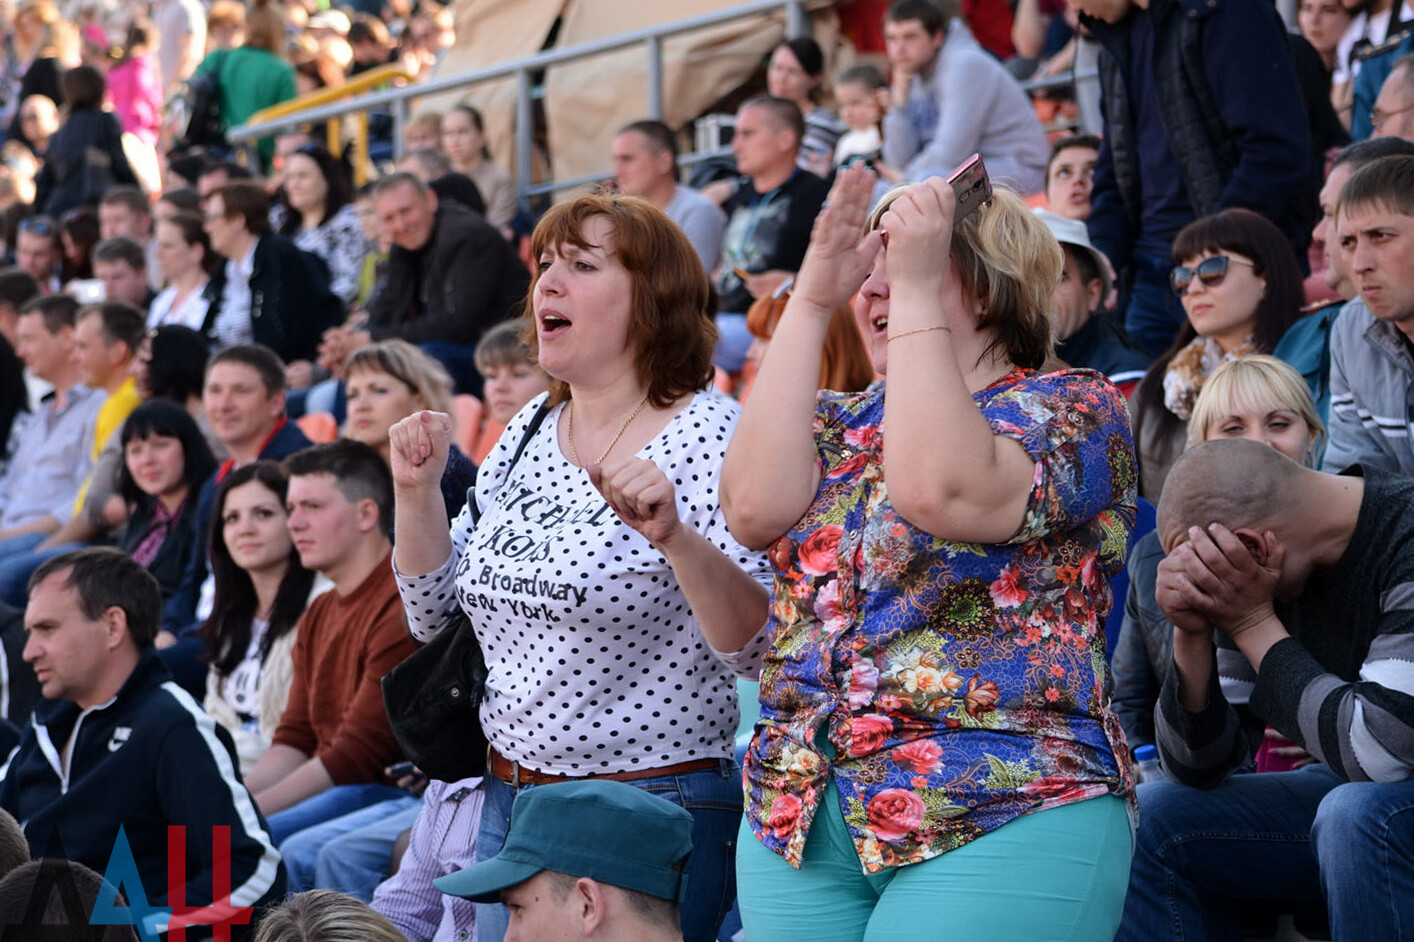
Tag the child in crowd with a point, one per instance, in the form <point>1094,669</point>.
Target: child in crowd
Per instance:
<point>1070,175</point>
<point>862,94</point>
<point>512,378</point>
<point>424,130</point>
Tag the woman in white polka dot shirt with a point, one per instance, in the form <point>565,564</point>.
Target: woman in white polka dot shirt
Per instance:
<point>611,602</point>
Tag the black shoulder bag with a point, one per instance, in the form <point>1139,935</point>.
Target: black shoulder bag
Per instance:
<point>433,698</point>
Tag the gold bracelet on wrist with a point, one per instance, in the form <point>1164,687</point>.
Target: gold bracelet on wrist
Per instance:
<point>917,330</point>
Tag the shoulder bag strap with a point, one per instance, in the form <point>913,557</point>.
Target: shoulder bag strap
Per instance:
<point>537,420</point>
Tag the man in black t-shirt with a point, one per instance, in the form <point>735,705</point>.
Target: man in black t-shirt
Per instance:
<point>769,217</point>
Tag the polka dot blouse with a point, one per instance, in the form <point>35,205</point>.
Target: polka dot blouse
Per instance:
<point>595,661</point>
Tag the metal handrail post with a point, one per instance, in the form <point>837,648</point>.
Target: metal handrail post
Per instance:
<point>525,127</point>
<point>655,77</point>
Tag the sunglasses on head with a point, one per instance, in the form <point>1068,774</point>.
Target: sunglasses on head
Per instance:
<point>1210,271</point>
<point>40,227</point>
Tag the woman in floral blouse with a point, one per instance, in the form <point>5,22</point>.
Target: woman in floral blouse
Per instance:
<point>936,752</point>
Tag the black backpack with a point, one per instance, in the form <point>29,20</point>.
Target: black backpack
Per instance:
<point>194,112</point>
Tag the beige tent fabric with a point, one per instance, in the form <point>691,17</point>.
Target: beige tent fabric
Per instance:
<point>488,32</point>
<point>588,100</point>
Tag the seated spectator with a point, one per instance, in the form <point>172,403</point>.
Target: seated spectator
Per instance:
<point>38,119</point>
<point>55,451</point>
<point>1237,279</point>
<point>262,589</point>
<point>586,860</point>
<point>1086,335</point>
<point>17,288</point>
<point>85,156</point>
<point>333,739</point>
<point>1372,369</point>
<point>768,218</point>
<point>645,157</point>
<point>390,380</point>
<point>122,267</point>
<point>1070,175</point>
<point>188,264</point>
<point>424,130</point>
<point>862,94</point>
<point>274,293</point>
<point>464,142</point>
<point>183,199</point>
<point>1226,69</point>
<point>325,916</point>
<point>1393,114</point>
<point>433,168</point>
<point>1328,664</point>
<point>450,276</point>
<point>318,214</point>
<point>510,379</point>
<point>142,757</point>
<point>1322,23</point>
<point>78,234</point>
<point>165,462</point>
<point>442,842</point>
<point>244,398</point>
<point>370,42</point>
<point>39,250</point>
<point>171,364</point>
<point>125,211</point>
<point>1255,397</point>
<point>795,72</point>
<point>950,99</point>
<point>254,74</point>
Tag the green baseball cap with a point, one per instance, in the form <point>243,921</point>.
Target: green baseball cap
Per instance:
<point>601,829</point>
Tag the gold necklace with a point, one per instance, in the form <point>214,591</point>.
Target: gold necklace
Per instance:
<point>574,455</point>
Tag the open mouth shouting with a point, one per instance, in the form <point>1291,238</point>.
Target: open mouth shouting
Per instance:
<point>552,323</point>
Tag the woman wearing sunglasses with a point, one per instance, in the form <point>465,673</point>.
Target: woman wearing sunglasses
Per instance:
<point>1241,289</point>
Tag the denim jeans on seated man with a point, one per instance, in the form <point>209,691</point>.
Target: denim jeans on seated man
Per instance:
<point>712,796</point>
<point>1277,836</point>
<point>334,802</point>
<point>351,853</point>
<point>15,569</point>
<point>1154,315</point>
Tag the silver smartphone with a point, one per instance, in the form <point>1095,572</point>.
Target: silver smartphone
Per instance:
<point>971,185</point>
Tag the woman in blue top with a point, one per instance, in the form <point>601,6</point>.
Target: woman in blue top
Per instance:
<point>936,756</point>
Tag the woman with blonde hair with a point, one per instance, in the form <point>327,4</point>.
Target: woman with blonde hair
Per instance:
<point>325,916</point>
<point>1257,397</point>
<point>388,381</point>
<point>34,66</point>
<point>936,756</point>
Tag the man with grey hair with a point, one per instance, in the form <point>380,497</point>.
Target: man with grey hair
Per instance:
<point>1393,114</point>
<point>450,275</point>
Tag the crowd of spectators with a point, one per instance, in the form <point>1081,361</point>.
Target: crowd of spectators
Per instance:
<point>1128,530</point>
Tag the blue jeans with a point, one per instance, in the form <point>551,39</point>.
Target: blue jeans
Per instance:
<point>1279,836</point>
<point>733,340</point>
<point>16,569</point>
<point>329,804</point>
<point>349,853</point>
<point>1154,314</point>
<point>714,798</point>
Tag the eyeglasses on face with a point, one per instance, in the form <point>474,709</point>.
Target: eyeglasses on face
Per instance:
<point>1378,117</point>
<point>1210,271</point>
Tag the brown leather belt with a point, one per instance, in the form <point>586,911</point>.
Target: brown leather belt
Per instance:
<point>515,774</point>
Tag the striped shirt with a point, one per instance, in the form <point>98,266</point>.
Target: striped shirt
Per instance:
<point>1372,394</point>
<point>443,841</point>
<point>1342,686</point>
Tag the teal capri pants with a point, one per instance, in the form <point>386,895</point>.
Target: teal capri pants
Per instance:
<point>1058,874</point>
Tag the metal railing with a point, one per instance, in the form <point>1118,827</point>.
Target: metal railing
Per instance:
<point>651,38</point>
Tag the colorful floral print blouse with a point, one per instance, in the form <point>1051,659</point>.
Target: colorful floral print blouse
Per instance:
<point>948,687</point>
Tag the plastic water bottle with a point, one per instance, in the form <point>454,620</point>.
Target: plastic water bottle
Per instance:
<point>1146,764</point>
